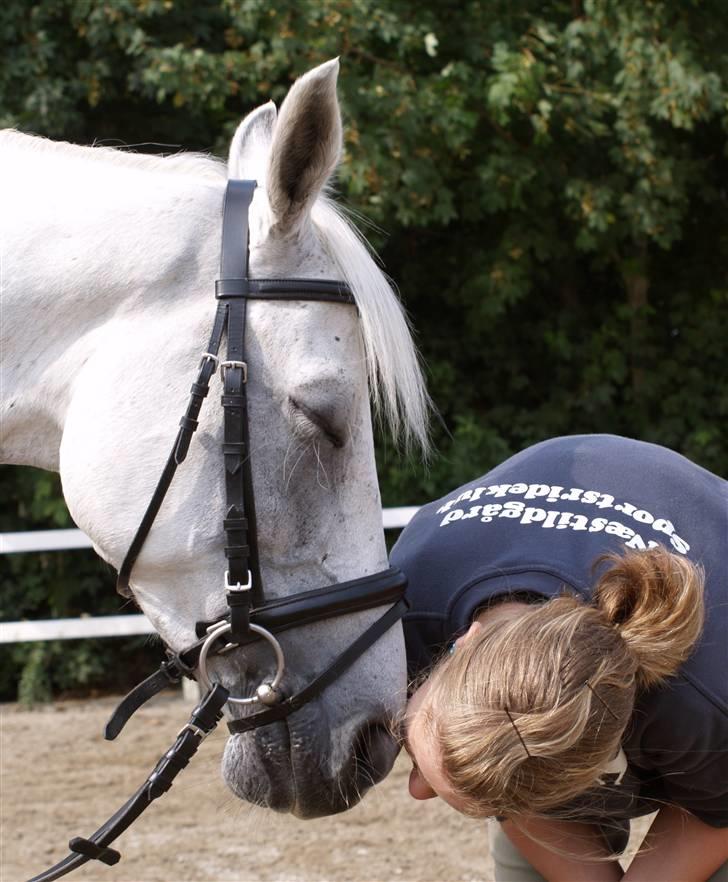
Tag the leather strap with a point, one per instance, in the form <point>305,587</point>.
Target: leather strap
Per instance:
<point>275,616</point>
<point>326,677</point>
<point>167,674</point>
<point>243,574</point>
<point>284,289</point>
<point>331,601</point>
<point>233,285</point>
<point>202,721</point>
<point>188,425</point>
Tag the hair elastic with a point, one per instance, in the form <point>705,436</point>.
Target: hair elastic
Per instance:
<point>600,699</point>
<point>513,723</point>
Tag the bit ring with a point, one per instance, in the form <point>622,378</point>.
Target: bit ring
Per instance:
<point>266,693</point>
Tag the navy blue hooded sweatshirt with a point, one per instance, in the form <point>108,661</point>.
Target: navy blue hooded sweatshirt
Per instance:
<point>534,526</point>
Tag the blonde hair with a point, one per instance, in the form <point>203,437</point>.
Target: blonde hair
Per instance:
<point>527,713</point>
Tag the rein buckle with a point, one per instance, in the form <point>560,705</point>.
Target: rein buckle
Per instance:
<point>190,727</point>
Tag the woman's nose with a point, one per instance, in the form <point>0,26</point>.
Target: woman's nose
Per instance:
<point>418,787</point>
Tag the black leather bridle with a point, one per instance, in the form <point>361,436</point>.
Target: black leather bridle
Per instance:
<point>250,617</point>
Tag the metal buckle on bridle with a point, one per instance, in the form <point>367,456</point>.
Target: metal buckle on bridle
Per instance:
<point>213,358</point>
<point>266,693</point>
<point>238,586</point>
<point>190,727</point>
<point>227,647</point>
<point>242,365</point>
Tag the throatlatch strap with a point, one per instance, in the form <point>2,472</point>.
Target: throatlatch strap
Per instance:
<point>202,721</point>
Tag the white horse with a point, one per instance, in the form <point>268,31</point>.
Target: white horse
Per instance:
<point>108,268</point>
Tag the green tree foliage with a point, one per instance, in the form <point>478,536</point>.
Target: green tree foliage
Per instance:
<point>545,181</point>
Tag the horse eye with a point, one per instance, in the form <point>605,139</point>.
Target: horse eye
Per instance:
<point>316,419</point>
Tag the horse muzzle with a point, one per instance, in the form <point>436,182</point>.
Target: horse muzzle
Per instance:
<point>307,767</point>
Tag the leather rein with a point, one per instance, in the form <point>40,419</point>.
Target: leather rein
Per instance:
<point>249,617</point>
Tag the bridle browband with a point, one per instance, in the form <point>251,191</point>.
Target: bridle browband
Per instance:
<point>250,617</point>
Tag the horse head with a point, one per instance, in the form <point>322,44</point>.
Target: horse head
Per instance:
<point>110,265</point>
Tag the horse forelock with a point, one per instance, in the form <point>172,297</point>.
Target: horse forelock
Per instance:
<point>396,381</point>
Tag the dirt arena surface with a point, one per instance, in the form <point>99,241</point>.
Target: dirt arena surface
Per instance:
<point>59,778</point>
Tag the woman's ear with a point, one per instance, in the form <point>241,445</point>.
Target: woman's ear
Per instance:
<point>470,633</point>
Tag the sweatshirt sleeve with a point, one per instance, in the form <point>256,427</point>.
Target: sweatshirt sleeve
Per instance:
<point>683,757</point>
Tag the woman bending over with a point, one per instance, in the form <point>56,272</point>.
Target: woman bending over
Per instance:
<point>587,578</point>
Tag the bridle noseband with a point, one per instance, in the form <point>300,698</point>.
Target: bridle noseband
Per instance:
<point>250,617</point>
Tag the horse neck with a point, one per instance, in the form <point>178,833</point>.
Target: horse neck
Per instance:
<point>88,249</point>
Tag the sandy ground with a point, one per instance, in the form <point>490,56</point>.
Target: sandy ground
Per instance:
<point>60,778</point>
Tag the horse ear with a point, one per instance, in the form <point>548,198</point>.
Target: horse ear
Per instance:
<point>251,142</point>
<point>306,145</point>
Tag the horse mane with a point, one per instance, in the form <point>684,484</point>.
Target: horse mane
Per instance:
<point>199,164</point>
<point>396,382</point>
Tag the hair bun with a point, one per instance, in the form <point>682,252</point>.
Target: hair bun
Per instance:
<point>655,600</point>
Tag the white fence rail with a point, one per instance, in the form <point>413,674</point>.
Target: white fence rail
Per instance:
<point>102,626</point>
<point>43,540</point>
<point>74,629</point>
